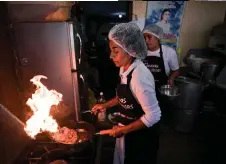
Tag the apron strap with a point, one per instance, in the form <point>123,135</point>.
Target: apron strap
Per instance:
<point>129,77</point>
<point>161,56</point>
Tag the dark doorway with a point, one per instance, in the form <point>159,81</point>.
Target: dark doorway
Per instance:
<point>97,19</point>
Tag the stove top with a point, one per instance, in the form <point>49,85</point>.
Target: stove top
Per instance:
<point>55,153</point>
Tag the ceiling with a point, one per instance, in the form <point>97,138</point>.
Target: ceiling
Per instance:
<point>108,9</point>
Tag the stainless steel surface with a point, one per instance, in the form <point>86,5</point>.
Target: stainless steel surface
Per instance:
<point>195,58</point>
<point>9,96</point>
<point>12,116</point>
<point>190,93</point>
<point>74,69</point>
<point>196,64</point>
<point>13,137</point>
<point>186,79</point>
<point>75,88</point>
<point>80,52</point>
<point>169,91</point>
<point>49,49</point>
<point>84,86</point>
<point>37,11</point>
<point>209,71</point>
<point>74,63</point>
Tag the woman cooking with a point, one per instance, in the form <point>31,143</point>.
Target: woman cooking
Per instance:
<point>137,139</point>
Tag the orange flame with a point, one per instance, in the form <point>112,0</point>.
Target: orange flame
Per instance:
<point>40,104</point>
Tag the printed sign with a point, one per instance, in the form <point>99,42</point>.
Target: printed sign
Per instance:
<point>167,15</point>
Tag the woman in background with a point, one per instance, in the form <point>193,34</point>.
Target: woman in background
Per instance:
<point>161,60</point>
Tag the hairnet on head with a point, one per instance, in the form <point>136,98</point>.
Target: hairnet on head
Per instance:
<point>153,29</point>
<point>130,38</point>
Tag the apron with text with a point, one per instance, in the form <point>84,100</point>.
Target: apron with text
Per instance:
<point>156,65</point>
<point>139,146</point>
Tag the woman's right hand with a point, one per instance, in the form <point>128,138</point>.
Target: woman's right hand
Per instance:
<point>99,108</point>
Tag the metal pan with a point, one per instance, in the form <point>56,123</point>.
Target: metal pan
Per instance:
<point>120,118</point>
<point>169,91</point>
<point>84,130</point>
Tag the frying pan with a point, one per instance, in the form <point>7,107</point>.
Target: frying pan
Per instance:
<point>84,130</point>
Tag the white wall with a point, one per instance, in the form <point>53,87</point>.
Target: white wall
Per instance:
<point>199,18</point>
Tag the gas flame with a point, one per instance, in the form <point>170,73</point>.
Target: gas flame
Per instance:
<point>41,103</point>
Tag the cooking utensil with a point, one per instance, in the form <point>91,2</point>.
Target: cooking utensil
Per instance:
<point>104,132</point>
<point>167,90</point>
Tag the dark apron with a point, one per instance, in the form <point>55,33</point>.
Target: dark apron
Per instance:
<point>140,146</point>
<point>156,65</point>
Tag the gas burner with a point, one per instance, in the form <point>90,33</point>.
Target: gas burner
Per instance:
<point>55,153</point>
<point>44,150</point>
<point>48,153</point>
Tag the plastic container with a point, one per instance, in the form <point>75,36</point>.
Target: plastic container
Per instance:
<point>102,115</point>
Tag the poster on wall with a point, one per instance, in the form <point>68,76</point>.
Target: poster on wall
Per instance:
<point>168,15</point>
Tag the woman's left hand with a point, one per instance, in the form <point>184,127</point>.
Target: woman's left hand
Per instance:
<point>118,131</point>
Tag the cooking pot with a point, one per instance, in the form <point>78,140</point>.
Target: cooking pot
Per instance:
<point>196,63</point>
<point>168,96</point>
<point>209,70</point>
<point>190,93</point>
<point>166,90</point>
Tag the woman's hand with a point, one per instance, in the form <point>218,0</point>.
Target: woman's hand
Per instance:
<point>173,75</point>
<point>99,108</point>
<point>118,131</point>
<point>171,83</point>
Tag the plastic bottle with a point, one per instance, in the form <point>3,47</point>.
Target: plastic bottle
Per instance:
<point>101,100</point>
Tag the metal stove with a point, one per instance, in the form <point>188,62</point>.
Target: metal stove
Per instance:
<point>55,153</point>
<point>18,148</point>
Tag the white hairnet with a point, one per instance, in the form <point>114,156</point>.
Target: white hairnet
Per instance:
<point>154,30</point>
<point>129,37</point>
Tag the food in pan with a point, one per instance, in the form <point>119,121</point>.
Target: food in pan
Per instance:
<point>65,136</point>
